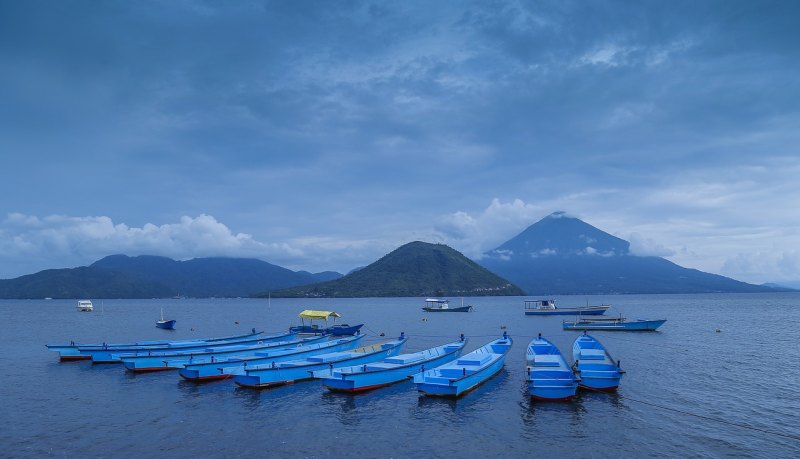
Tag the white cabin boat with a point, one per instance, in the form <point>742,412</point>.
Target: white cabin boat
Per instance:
<point>85,306</point>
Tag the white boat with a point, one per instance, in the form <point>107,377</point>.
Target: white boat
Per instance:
<point>85,306</point>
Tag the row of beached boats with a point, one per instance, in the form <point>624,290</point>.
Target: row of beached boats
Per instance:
<point>347,364</point>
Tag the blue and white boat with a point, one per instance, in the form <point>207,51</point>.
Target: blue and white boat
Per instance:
<point>165,324</point>
<point>71,351</point>
<point>548,374</point>
<point>225,367</point>
<point>262,376</point>
<point>159,361</point>
<point>594,365</point>
<point>111,354</point>
<point>612,324</point>
<point>468,372</point>
<point>548,308</point>
<point>391,370</point>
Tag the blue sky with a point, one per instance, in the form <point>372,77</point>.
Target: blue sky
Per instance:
<point>321,135</point>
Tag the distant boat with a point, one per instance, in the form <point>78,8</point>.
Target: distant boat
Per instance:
<point>468,372</point>
<point>548,307</point>
<point>262,376</point>
<point>334,329</point>
<point>165,324</point>
<point>612,323</point>
<point>594,365</point>
<point>361,378</point>
<point>437,305</point>
<point>548,375</point>
<point>85,306</point>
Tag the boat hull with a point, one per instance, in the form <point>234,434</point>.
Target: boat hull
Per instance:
<point>303,370</point>
<point>457,309</point>
<point>467,373</point>
<point>380,375</point>
<point>590,311</point>
<point>227,368</point>
<point>638,325</point>
<point>166,324</point>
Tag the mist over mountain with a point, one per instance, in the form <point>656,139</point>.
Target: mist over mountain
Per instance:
<point>561,254</point>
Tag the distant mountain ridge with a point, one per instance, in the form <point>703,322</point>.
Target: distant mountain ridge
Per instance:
<point>147,276</point>
<point>561,254</point>
<point>414,269</point>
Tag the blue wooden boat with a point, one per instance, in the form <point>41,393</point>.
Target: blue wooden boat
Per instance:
<point>467,372</point>
<point>612,323</point>
<point>548,375</point>
<point>165,324</point>
<point>71,351</point>
<point>437,305</point>
<point>158,361</point>
<point>263,376</point>
<point>226,367</point>
<point>334,329</point>
<point>391,370</point>
<point>548,308</point>
<point>594,365</point>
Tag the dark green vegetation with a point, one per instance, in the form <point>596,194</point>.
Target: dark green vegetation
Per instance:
<point>120,276</point>
<point>415,269</point>
<point>564,255</point>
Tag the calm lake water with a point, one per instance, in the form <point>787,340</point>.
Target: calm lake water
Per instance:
<point>680,382</point>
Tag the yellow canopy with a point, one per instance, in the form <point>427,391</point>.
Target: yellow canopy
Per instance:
<point>312,314</point>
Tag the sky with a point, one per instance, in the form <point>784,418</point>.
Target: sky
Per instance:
<point>321,135</point>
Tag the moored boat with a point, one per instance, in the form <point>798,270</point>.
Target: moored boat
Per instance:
<point>333,329</point>
<point>394,369</point>
<point>222,367</point>
<point>548,307</point>
<point>439,305</point>
<point>548,375</point>
<point>158,361</point>
<point>165,324</point>
<point>467,372</point>
<point>594,365</point>
<point>71,351</point>
<point>85,306</point>
<point>612,323</point>
<point>107,354</point>
<point>263,376</point>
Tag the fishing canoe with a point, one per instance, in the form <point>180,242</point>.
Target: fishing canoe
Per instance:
<point>158,361</point>
<point>468,372</point>
<point>263,376</point>
<point>548,375</point>
<point>71,351</point>
<point>391,370</point>
<point>594,365</point>
<point>115,354</point>
<point>221,368</point>
<point>612,324</point>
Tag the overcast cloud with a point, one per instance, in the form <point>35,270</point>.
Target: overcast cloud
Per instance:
<point>320,135</point>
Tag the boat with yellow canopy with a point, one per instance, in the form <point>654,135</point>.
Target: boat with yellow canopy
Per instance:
<point>332,329</point>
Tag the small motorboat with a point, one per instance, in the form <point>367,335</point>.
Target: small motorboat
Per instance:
<point>548,307</point>
<point>438,305</point>
<point>548,375</point>
<point>85,306</point>
<point>594,365</point>
<point>359,378</point>
<point>334,329</point>
<point>468,372</point>
<point>165,324</point>
<point>612,323</point>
